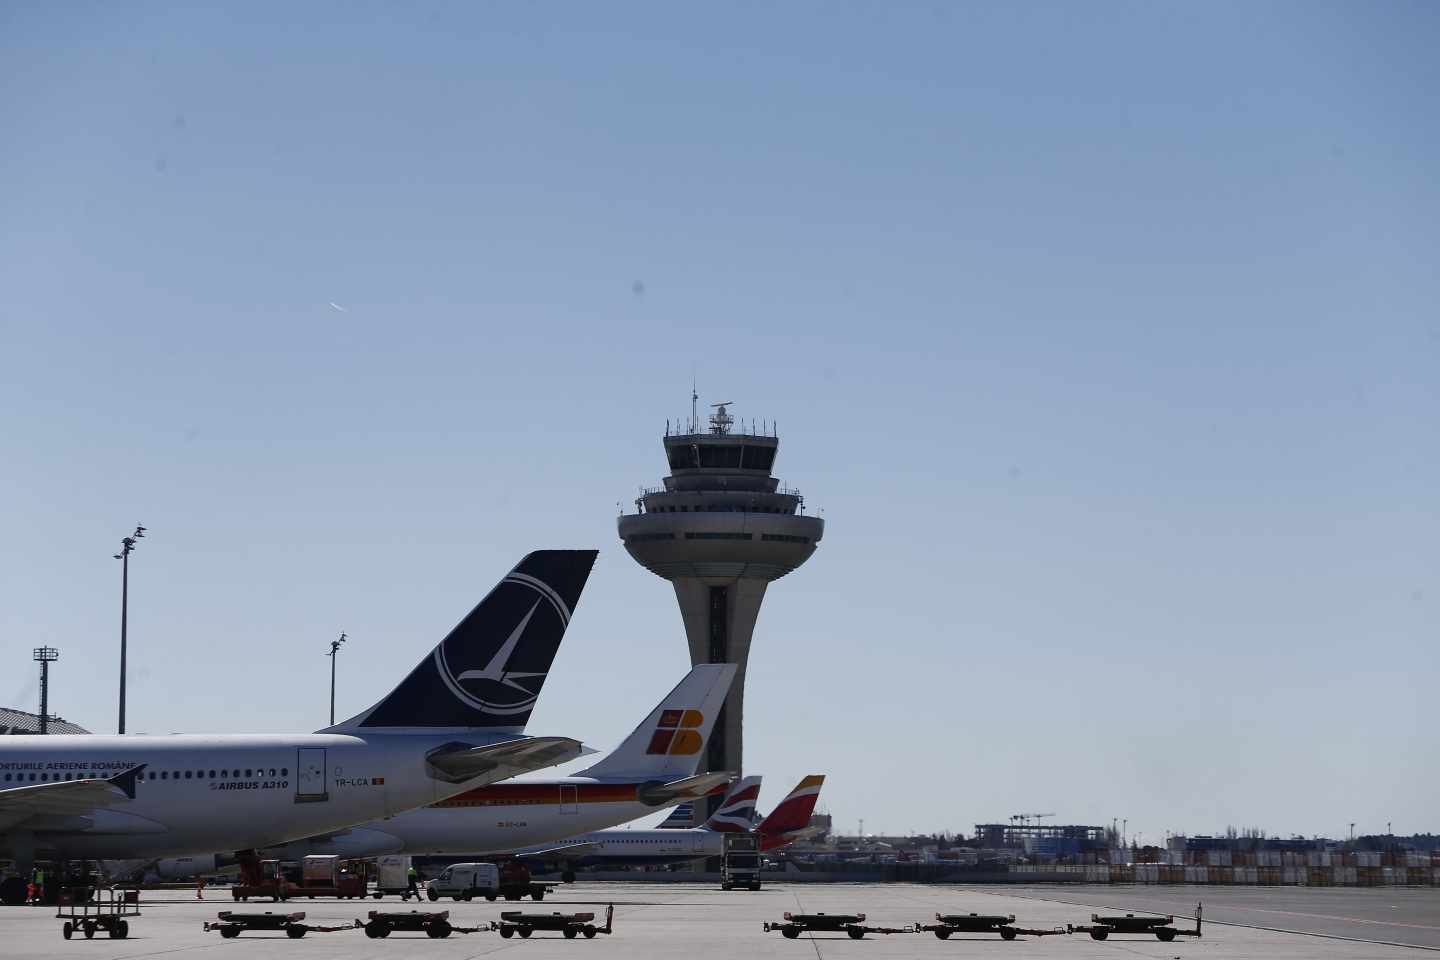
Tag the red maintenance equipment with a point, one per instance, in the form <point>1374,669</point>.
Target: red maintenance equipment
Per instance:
<point>1163,927</point>
<point>571,925</point>
<point>108,909</point>
<point>948,923</point>
<point>434,924</point>
<point>327,876</point>
<point>231,924</point>
<point>852,924</point>
<point>260,878</point>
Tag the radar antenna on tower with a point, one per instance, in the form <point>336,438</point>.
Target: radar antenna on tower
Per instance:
<point>720,421</point>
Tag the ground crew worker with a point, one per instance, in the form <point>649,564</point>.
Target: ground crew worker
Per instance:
<point>39,885</point>
<point>414,877</point>
<point>200,887</point>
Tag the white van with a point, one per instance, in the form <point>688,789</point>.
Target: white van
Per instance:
<point>462,881</point>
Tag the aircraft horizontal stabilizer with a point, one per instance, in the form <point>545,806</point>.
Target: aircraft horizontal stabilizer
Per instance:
<point>456,762</point>
<point>690,788</point>
<point>67,797</point>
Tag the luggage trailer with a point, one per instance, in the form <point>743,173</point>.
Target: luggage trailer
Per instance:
<point>948,923</point>
<point>571,925</point>
<point>434,924</point>
<point>231,924</point>
<point>1163,927</point>
<point>852,924</point>
<point>108,910</point>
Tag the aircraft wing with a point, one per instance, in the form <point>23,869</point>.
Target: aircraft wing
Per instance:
<point>579,848</point>
<point>461,762</point>
<point>690,788</point>
<point>66,798</point>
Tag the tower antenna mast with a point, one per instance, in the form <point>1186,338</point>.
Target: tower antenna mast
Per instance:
<point>694,414</point>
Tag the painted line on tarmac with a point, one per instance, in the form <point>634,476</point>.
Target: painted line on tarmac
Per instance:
<point>1248,926</point>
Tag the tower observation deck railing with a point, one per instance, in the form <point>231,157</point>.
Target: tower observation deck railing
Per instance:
<point>783,491</point>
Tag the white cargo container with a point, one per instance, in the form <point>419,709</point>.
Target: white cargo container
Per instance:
<point>393,876</point>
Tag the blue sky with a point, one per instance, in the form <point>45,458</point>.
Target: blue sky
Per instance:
<point>1104,335</point>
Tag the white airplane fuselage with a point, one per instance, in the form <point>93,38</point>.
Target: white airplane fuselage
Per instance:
<point>202,793</point>
<point>643,846</point>
<point>490,819</point>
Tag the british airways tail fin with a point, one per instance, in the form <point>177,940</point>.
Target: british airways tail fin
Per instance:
<point>489,669</point>
<point>793,813</point>
<point>670,741</point>
<point>736,813</point>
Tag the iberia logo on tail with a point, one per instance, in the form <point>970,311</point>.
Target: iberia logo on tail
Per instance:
<point>677,734</point>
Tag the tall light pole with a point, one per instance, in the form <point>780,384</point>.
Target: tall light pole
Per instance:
<point>127,544</point>
<point>334,649</point>
<point>45,656</point>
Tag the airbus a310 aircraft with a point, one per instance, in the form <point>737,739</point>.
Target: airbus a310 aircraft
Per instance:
<point>651,769</point>
<point>455,722</point>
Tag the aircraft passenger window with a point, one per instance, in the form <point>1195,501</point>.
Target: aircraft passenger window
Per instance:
<point>284,771</point>
<point>7,778</point>
<point>164,774</point>
<point>152,774</point>
<point>272,771</point>
<point>187,774</point>
<point>212,774</point>
<point>249,774</point>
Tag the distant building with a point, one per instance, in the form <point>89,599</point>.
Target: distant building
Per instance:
<point>20,723</point>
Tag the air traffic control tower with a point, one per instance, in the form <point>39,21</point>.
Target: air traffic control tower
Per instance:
<point>720,529</point>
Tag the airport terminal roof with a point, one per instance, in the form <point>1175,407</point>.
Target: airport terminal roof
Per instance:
<point>20,722</point>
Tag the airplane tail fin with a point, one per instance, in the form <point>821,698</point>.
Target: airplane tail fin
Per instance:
<point>736,813</point>
<point>489,669</point>
<point>671,740</point>
<point>793,813</point>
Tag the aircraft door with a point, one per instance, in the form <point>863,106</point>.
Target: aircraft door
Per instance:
<point>697,841</point>
<point>569,799</point>
<point>310,775</point>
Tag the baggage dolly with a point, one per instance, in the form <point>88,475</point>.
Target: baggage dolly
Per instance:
<point>103,911</point>
<point>849,923</point>
<point>232,924</point>
<point>1163,927</point>
<point>434,924</point>
<point>948,923</point>
<point>570,924</point>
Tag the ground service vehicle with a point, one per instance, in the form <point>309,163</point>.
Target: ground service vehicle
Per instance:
<point>852,924</point>
<point>571,925</point>
<point>740,861</point>
<point>949,923</point>
<point>1163,927</point>
<point>465,881</point>
<point>392,875</point>
<point>330,877</point>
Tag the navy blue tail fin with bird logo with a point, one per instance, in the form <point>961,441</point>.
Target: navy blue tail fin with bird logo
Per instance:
<point>488,671</point>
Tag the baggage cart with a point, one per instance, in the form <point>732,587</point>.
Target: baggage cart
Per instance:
<point>570,925</point>
<point>106,909</point>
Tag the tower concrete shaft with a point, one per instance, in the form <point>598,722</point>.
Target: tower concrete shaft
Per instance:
<point>720,529</point>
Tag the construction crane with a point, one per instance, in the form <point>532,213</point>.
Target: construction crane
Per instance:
<point>1024,818</point>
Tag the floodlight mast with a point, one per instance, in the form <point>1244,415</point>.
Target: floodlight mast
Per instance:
<point>334,649</point>
<point>127,545</point>
<point>45,656</point>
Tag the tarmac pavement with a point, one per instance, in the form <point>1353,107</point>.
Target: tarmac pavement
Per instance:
<point>699,922</point>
